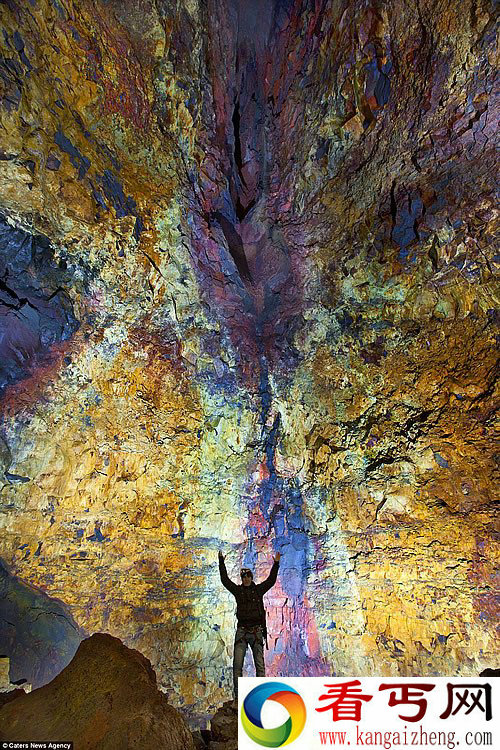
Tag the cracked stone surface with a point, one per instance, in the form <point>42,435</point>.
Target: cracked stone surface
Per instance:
<point>36,631</point>
<point>264,319</point>
<point>106,697</point>
<point>35,311</point>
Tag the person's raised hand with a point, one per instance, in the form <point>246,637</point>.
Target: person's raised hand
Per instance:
<point>221,556</point>
<point>277,557</point>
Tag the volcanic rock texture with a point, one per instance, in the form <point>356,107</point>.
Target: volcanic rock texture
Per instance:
<point>106,698</point>
<point>247,302</point>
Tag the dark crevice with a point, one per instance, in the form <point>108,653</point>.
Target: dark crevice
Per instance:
<point>234,244</point>
<point>155,265</point>
<point>414,161</point>
<point>53,294</point>
<point>241,211</point>
<point>30,280</point>
<point>394,208</point>
<point>416,422</point>
<point>379,507</point>
<point>10,293</point>
<point>433,255</point>
<point>415,228</point>
<point>21,301</point>
<point>238,157</point>
<point>381,460</point>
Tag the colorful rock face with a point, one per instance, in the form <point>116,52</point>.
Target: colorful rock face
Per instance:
<point>34,310</point>
<point>269,273</point>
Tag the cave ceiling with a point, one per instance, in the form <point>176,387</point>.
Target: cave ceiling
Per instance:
<point>248,302</point>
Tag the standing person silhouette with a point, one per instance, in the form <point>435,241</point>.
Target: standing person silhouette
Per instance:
<point>251,616</point>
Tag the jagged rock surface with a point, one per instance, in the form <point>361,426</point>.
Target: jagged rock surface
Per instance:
<point>106,698</point>
<point>36,631</point>
<point>271,226</point>
<point>224,727</point>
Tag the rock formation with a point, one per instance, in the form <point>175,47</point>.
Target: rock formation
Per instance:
<point>224,728</point>
<point>106,698</point>
<point>248,301</point>
<point>36,632</point>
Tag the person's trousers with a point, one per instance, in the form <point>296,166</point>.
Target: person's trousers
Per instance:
<point>253,637</point>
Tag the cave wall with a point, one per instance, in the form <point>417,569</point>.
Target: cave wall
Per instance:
<point>247,302</point>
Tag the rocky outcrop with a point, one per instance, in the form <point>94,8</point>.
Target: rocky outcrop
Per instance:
<point>36,631</point>
<point>6,697</point>
<point>224,728</point>
<point>106,698</point>
<point>10,690</point>
<point>35,311</point>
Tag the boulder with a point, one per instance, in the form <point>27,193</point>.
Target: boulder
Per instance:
<point>11,695</point>
<point>224,726</point>
<point>105,699</point>
<point>37,631</point>
<point>199,742</point>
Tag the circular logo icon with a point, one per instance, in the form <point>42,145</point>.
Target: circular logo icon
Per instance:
<point>251,713</point>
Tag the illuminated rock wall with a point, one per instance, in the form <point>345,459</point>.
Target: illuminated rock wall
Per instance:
<point>249,304</point>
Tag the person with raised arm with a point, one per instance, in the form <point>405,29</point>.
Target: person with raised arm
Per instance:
<point>251,616</point>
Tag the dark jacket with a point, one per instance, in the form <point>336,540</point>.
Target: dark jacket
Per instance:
<point>250,610</point>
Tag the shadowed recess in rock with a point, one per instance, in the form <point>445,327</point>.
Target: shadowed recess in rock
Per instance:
<point>36,631</point>
<point>35,308</point>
